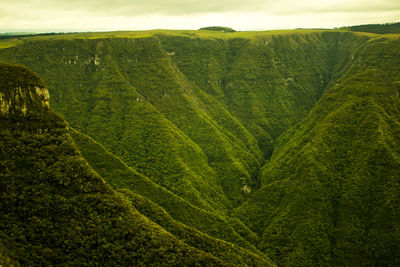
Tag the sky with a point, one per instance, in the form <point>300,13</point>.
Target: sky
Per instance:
<point>110,15</point>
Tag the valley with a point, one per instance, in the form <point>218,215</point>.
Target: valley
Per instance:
<point>243,148</point>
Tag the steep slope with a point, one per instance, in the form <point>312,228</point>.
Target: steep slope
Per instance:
<point>187,119</point>
<point>55,209</point>
<point>195,112</point>
<point>223,250</point>
<point>382,53</point>
<point>330,193</point>
<point>126,94</point>
<point>121,176</point>
<point>269,81</point>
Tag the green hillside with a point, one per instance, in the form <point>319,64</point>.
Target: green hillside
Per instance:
<point>330,192</point>
<point>217,28</point>
<point>269,81</point>
<point>218,248</point>
<point>214,117</point>
<point>121,176</point>
<point>376,28</point>
<point>238,145</point>
<point>56,210</point>
<point>167,131</point>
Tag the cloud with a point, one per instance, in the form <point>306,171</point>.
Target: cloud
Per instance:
<point>132,8</point>
<point>79,15</point>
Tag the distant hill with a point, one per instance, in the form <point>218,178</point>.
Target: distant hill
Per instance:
<point>27,34</point>
<point>218,29</point>
<point>376,28</point>
<point>16,33</point>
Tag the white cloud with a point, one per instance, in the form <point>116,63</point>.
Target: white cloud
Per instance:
<point>91,15</point>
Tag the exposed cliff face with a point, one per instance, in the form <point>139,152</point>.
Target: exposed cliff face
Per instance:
<point>21,91</point>
<point>21,99</point>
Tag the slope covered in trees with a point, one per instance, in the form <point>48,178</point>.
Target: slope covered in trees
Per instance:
<point>127,94</point>
<point>195,115</point>
<point>330,193</point>
<point>56,210</point>
<point>376,28</point>
<point>121,176</point>
<point>283,143</point>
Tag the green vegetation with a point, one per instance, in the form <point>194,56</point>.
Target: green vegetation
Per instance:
<point>376,28</point>
<point>12,78</point>
<point>120,176</point>
<point>57,211</point>
<point>128,95</point>
<point>192,237</point>
<point>192,34</point>
<point>233,146</point>
<point>218,29</point>
<point>330,192</point>
<point>268,82</point>
<point>6,43</point>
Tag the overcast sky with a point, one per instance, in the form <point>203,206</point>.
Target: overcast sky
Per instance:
<point>106,15</point>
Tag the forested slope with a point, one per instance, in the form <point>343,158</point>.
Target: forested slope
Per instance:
<point>56,210</point>
<point>330,193</point>
<point>283,143</point>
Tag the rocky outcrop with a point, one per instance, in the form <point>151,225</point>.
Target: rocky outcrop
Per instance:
<point>26,92</point>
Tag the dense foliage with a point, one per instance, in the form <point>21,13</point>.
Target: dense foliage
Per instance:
<point>235,143</point>
<point>12,77</point>
<point>376,28</point>
<point>121,176</point>
<point>57,211</point>
<point>127,94</point>
<point>217,28</point>
<point>221,249</point>
<point>330,194</point>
